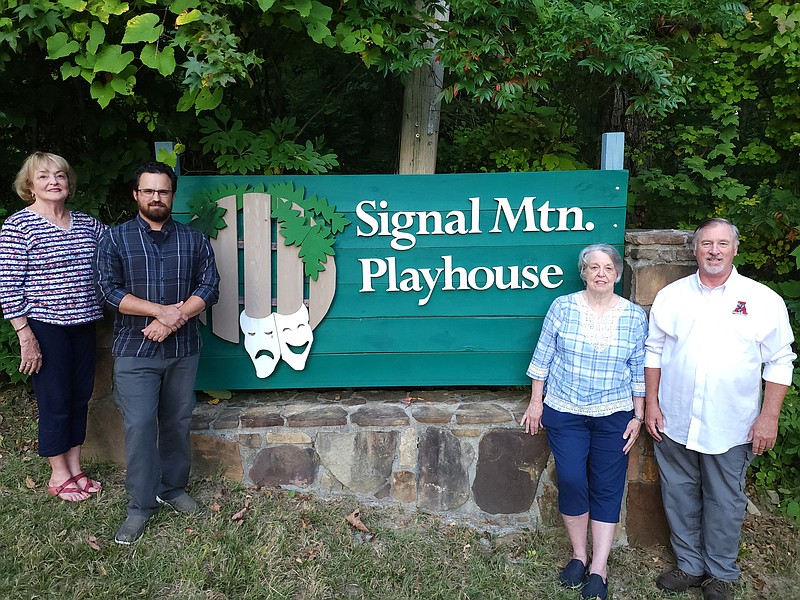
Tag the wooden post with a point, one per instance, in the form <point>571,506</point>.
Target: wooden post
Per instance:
<point>419,135</point>
<point>612,155</point>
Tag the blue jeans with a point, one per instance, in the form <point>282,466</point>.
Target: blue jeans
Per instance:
<point>156,397</point>
<point>590,463</point>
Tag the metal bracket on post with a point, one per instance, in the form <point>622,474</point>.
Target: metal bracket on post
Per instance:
<point>169,147</point>
<point>612,155</point>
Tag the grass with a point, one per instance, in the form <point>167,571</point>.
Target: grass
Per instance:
<point>293,546</point>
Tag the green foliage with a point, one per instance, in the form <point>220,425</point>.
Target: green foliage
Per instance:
<point>308,222</point>
<point>526,137</point>
<point>779,469</point>
<point>9,355</point>
<point>270,151</point>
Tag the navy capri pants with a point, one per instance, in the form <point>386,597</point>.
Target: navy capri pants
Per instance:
<point>64,384</point>
<point>590,463</point>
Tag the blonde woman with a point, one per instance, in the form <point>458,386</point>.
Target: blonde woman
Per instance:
<point>47,293</point>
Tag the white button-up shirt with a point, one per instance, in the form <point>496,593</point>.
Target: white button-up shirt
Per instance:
<point>710,345</point>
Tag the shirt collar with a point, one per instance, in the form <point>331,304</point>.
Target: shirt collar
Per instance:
<point>167,227</point>
<point>730,283</point>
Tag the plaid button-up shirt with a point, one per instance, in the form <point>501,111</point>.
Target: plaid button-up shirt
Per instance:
<point>593,365</point>
<point>128,261</point>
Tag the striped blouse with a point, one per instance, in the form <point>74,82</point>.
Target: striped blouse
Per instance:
<point>46,270</point>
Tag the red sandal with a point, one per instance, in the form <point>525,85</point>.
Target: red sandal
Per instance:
<point>89,483</point>
<point>68,487</point>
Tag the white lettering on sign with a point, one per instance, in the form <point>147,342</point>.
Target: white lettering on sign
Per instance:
<point>398,224</point>
<point>449,277</point>
<point>404,227</point>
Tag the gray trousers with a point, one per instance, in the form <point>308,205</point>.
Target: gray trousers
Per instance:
<point>705,504</point>
<point>156,397</point>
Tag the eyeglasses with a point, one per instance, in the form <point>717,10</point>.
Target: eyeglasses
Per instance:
<point>148,193</point>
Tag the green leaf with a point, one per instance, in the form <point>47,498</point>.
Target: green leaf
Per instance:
<point>168,158</point>
<point>179,6</point>
<point>112,59</point>
<point>315,251</point>
<point>163,62</point>
<point>76,5</point>
<point>318,32</point>
<point>207,99</point>
<point>210,221</point>
<point>59,46</point>
<point>143,28</point>
<point>303,7</point>
<point>97,36</point>
<point>68,71</point>
<point>593,12</point>
<point>265,5</point>
<point>102,93</point>
<point>188,17</point>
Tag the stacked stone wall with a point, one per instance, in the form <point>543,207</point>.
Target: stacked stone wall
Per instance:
<point>459,453</point>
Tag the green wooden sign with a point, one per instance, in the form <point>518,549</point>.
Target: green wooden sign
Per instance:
<point>406,280</point>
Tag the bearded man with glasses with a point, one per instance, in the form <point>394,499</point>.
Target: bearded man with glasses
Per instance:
<point>156,275</point>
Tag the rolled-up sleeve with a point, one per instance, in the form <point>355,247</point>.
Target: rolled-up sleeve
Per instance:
<point>637,359</point>
<point>207,275</point>
<point>776,349</point>
<point>108,272</point>
<point>656,337</point>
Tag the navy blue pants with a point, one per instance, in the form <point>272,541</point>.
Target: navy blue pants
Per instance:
<point>590,463</point>
<point>64,384</point>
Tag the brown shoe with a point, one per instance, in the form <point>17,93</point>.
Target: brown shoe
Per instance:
<point>678,580</point>
<point>716,589</point>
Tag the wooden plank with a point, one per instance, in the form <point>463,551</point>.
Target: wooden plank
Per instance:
<point>341,371</point>
<point>321,293</point>
<point>225,313</point>
<point>290,276</point>
<point>408,335</point>
<point>588,189</point>
<point>612,155</point>
<point>257,234</point>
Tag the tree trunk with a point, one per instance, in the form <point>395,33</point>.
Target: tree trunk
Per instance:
<point>419,134</point>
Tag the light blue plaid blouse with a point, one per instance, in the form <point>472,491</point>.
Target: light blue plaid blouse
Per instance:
<point>593,364</point>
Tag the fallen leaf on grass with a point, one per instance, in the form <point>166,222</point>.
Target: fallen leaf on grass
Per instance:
<point>354,518</point>
<point>239,516</point>
<point>409,399</point>
<point>215,507</point>
<point>30,483</point>
<point>92,541</point>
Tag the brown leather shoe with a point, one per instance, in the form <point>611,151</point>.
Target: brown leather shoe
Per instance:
<point>716,589</point>
<point>678,580</point>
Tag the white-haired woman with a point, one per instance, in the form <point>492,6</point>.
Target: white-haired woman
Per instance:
<point>590,355</point>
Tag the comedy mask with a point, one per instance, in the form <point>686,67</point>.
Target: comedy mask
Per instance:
<point>295,336</point>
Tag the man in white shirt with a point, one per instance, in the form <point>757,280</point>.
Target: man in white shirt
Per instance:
<point>709,335</point>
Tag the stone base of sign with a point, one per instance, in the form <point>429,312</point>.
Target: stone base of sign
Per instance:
<point>454,452</point>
